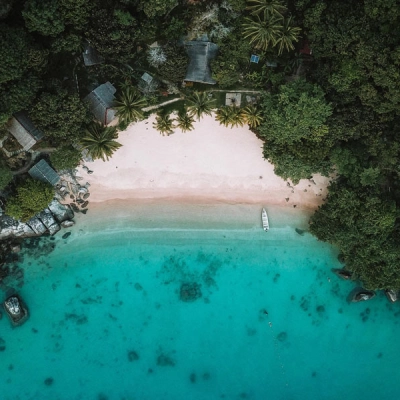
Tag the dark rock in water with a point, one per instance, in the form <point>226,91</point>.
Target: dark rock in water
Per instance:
<point>2,344</point>
<point>282,336</point>
<point>392,295</point>
<point>165,361</point>
<point>66,235</point>
<point>133,356</point>
<point>300,231</point>
<point>74,207</point>
<point>16,309</point>
<point>190,291</point>
<point>342,273</point>
<point>85,204</point>
<point>192,377</point>
<point>67,224</point>
<point>84,211</point>
<point>360,294</point>
<point>48,381</point>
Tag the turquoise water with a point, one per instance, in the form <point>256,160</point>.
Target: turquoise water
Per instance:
<point>107,321</point>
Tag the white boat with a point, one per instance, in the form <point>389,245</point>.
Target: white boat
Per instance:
<point>264,217</point>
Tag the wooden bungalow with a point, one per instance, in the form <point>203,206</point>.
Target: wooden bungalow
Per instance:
<point>43,172</point>
<point>24,130</point>
<point>101,101</point>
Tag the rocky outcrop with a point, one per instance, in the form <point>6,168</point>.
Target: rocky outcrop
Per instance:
<point>60,211</point>
<point>37,226</point>
<point>392,295</point>
<point>360,294</point>
<point>48,220</point>
<point>10,228</point>
<point>343,273</point>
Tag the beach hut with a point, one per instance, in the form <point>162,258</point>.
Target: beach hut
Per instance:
<point>200,55</point>
<point>43,172</point>
<point>101,101</point>
<point>24,130</point>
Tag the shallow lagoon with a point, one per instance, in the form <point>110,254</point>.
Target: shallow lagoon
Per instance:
<point>107,321</point>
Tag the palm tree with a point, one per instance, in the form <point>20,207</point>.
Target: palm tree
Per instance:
<point>252,116</point>
<point>99,141</point>
<point>230,115</point>
<point>287,35</point>
<point>266,7</point>
<point>262,33</point>
<point>236,117</point>
<point>164,124</point>
<point>129,105</point>
<point>185,121</point>
<point>200,104</point>
<point>223,115</point>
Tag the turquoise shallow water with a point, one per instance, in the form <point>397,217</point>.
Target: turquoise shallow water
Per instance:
<point>107,321</point>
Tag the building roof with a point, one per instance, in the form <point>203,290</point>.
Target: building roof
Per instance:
<point>43,172</point>
<point>91,56</point>
<point>24,131</point>
<point>101,101</point>
<point>200,54</point>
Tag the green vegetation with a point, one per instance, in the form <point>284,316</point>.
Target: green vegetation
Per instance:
<point>65,158</point>
<point>334,109</point>
<point>129,105</point>
<point>5,176</point>
<point>164,124</point>
<point>31,197</point>
<point>184,121</point>
<point>295,130</point>
<point>99,141</point>
<point>200,104</point>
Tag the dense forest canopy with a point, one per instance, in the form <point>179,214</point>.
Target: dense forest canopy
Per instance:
<point>328,77</point>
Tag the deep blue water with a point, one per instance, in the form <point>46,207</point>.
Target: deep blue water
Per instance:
<point>107,321</point>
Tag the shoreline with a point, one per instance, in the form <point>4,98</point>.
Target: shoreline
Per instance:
<point>211,164</point>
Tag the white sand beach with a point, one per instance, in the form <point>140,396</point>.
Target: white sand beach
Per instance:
<point>212,164</point>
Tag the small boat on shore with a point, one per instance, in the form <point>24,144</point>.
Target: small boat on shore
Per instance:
<point>264,218</point>
<point>16,309</point>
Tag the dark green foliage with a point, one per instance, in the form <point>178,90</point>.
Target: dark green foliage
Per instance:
<point>232,59</point>
<point>153,8</point>
<point>66,157</point>
<point>295,130</point>
<point>356,46</point>
<point>113,33</point>
<point>15,45</point>
<point>174,29</point>
<point>363,225</point>
<point>5,176</point>
<point>44,17</point>
<point>17,95</point>
<point>174,68</point>
<point>32,196</point>
<point>61,116</point>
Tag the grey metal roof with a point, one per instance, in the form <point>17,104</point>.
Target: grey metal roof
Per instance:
<point>200,54</point>
<point>91,56</point>
<point>101,101</point>
<point>23,129</point>
<point>43,172</point>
